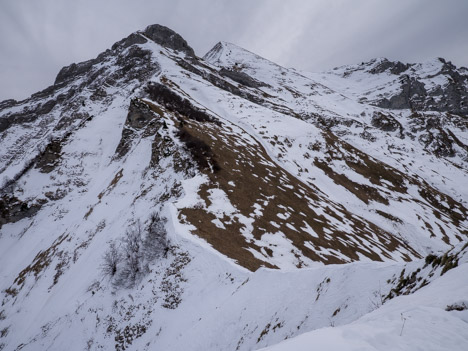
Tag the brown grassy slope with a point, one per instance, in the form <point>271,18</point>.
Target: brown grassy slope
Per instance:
<point>258,180</point>
<point>390,182</point>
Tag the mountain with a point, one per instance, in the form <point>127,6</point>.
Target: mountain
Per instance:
<point>153,199</point>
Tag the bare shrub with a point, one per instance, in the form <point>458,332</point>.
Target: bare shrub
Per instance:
<point>458,306</point>
<point>132,252</point>
<point>156,243</point>
<point>125,265</point>
<point>111,259</point>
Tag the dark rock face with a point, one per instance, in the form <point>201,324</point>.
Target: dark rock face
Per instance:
<point>125,143</point>
<point>168,38</point>
<point>139,114</point>
<point>140,117</point>
<point>7,103</point>
<point>6,122</point>
<point>134,38</point>
<point>49,159</point>
<point>13,209</point>
<point>440,143</point>
<point>452,98</point>
<point>455,96</point>
<point>435,134</point>
<point>412,95</point>
<point>386,123</point>
<point>75,69</point>
<point>98,94</point>
<point>241,77</point>
<point>160,35</point>
<point>27,115</point>
<point>133,64</point>
<point>393,67</point>
<point>175,103</point>
<point>218,81</point>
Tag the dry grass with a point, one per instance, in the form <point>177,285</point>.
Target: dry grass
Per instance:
<point>40,262</point>
<point>257,181</point>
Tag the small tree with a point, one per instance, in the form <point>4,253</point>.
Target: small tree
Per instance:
<point>111,259</point>
<point>126,264</point>
<point>132,256</point>
<point>156,243</point>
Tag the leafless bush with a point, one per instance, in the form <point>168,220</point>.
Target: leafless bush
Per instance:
<point>126,264</point>
<point>156,243</point>
<point>132,256</point>
<point>111,259</point>
<point>458,306</point>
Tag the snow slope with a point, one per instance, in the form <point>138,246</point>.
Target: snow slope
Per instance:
<point>424,320</point>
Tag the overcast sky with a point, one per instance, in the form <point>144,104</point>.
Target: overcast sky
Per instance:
<point>38,37</point>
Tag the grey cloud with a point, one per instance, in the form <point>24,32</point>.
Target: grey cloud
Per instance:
<point>41,36</point>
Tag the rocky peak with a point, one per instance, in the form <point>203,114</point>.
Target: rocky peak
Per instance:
<point>229,55</point>
<point>168,38</point>
<point>159,34</point>
<point>73,70</point>
<point>383,65</point>
<point>214,53</point>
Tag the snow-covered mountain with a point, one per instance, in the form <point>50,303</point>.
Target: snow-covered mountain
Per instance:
<point>153,199</point>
